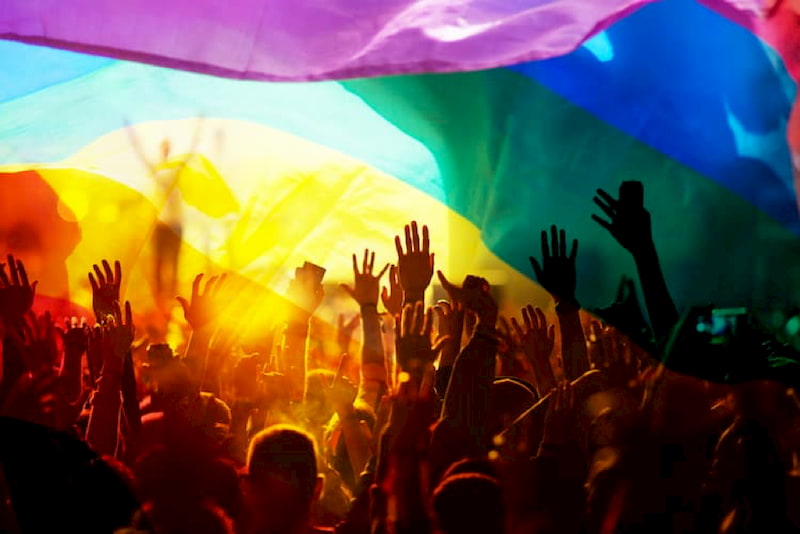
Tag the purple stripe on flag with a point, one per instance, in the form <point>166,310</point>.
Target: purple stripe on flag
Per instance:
<point>314,39</point>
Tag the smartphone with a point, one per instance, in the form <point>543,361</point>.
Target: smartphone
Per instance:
<point>722,325</point>
<point>632,193</point>
<point>317,272</point>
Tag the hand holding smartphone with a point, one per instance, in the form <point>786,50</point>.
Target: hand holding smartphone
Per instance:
<point>315,272</point>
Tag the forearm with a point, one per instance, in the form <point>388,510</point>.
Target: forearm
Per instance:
<point>130,401</point>
<point>466,403</point>
<point>374,376</point>
<point>70,374</point>
<point>102,431</point>
<point>660,307</point>
<point>357,441</point>
<point>240,414</point>
<point>196,354</point>
<point>408,493</point>
<point>293,357</point>
<point>573,340</point>
<point>13,368</point>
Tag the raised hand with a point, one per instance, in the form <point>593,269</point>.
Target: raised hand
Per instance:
<point>367,286</point>
<point>537,341</point>
<point>556,272</point>
<point>105,289</point>
<point>415,265</point>
<point>413,339</point>
<point>629,222</point>
<point>450,329</point>
<point>475,296</point>
<point>37,338</point>
<point>306,292</point>
<point>16,293</point>
<point>345,330</point>
<point>392,297</point>
<point>75,335</point>
<point>202,310</point>
<point>630,225</point>
<point>508,348</point>
<point>614,354</point>
<point>121,330</point>
<point>451,319</point>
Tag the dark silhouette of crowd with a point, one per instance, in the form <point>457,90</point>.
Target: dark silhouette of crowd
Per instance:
<point>452,419</point>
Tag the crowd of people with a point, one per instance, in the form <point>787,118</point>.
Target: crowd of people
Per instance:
<point>452,419</point>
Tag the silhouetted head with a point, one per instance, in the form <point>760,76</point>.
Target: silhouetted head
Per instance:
<point>480,466</point>
<point>467,503</point>
<point>511,397</point>
<point>282,479</point>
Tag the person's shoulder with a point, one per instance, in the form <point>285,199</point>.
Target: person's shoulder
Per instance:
<point>320,530</point>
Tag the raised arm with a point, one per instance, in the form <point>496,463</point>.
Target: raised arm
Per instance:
<point>465,412</point>
<point>365,291</point>
<point>306,293</point>
<point>408,429</point>
<point>537,341</point>
<point>630,225</point>
<point>357,438</point>
<point>16,299</point>
<point>556,273</point>
<point>75,344</point>
<point>451,327</point>
<point>116,338</point>
<point>202,313</point>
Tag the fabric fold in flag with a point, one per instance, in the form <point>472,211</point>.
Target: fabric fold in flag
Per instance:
<point>305,40</point>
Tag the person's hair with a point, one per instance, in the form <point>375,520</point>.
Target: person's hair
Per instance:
<point>469,502</point>
<point>511,397</point>
<point>480,466</point>
<point>285,453</point>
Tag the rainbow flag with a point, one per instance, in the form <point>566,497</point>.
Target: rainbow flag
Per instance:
<point>693,99</point>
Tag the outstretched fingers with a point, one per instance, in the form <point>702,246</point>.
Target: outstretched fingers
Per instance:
<point>383,271</point>
<point>4,281</point>
<point>23,274</point>
<point>101,279</point>
<point>12,270</point>
<point>574,252</point>
<point>196,286</point>
<point>415,236</point>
